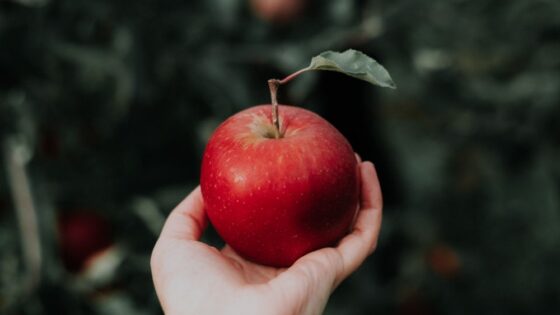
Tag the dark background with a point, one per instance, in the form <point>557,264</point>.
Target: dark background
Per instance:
<point>107,105</point>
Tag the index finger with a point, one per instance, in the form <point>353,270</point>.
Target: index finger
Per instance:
<point>188,220</point>
<point>355,247</point>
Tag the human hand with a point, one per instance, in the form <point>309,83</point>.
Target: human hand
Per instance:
<point>192,277</point>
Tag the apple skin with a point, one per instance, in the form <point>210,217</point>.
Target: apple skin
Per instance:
<point>275,200</point>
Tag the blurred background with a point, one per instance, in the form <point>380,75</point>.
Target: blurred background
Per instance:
<point>106,106</point>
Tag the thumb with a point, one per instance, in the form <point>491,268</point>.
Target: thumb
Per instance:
<point>188,220</point>
<point>310,281</point>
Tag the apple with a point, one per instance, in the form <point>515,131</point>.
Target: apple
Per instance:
<point>276,189</point>
<point>278,11</point>
<point>415,303</point>
<point>444,261</point>
<point>83,235</point>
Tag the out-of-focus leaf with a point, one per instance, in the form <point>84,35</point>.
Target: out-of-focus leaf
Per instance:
<point>355,64</point>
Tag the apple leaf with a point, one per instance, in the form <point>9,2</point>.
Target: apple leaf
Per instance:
<point>355,64</point>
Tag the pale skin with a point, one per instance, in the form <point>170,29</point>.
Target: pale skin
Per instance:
<point>192,277</point>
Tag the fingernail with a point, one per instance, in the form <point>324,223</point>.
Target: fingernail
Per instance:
<point>358,157</point>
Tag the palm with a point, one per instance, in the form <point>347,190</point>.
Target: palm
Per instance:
<point>251,273</point>
<point>231,268</point>
<point>190,276</point>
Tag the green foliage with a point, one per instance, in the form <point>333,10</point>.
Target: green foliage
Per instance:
<point>355,64</point>
<point>113,102</point>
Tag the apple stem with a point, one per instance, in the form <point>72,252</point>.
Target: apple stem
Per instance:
<point>293,75</point>
<point>273,85</point>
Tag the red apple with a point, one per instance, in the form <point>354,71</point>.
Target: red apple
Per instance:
<point>415,303</point>
<point>82,235</point>
<point>444,261</point>
<point>278,11</point>
<point>275,199</point>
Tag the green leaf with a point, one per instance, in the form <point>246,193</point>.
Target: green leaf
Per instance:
<point>355,64</point>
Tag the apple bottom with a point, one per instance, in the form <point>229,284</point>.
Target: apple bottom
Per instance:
<point>281,253</point>
<point>278,232</point>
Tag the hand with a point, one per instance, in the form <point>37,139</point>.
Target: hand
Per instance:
<point>191,277</point>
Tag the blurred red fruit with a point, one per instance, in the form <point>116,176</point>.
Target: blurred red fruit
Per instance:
<point>415,304</point>
<point>82,235</point>
<point>278,11</point>
<point>444,261</point>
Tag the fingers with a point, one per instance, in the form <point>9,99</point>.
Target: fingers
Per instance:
<point>324,269</point>
<point>358,158</point>
<point>170,254</point>
<point>188,220</point>
<point>309,281</point>
<point>371,191</point>
<point>355,247</point>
